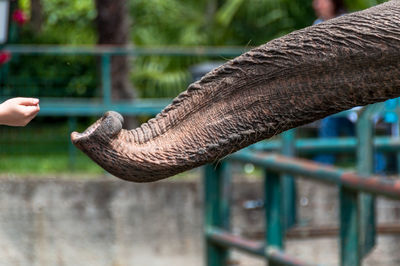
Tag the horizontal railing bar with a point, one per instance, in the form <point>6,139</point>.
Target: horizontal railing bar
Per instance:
<point>56,105</point>
<point>332,145</point>
<point>226,239</point>
<point>308,169</point>
<point>118,50</point>
<point>81,107</point>
<point>301,232</point>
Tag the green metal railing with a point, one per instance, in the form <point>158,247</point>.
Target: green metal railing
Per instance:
<point>357,193</point>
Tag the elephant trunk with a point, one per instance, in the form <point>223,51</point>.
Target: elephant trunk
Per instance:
<point>304,76</point>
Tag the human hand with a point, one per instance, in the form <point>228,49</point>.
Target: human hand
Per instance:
<point>18,111</point>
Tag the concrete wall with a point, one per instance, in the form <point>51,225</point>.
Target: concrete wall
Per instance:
<point>107,222</point>
<point>112,222</point>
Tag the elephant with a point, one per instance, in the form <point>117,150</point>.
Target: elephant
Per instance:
<point>349,61</point>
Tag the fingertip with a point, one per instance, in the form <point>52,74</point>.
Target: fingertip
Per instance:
<point>28,101</point>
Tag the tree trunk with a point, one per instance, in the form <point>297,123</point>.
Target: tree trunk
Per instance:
<point>113,29</point>
<point>36,19</point>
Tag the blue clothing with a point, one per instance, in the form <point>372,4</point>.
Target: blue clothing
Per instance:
<point>333,127</point>
<point>317,21</point>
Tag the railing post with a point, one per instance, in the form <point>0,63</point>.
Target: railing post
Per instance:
<point>275,227</point>
<point>289,184</point>
<point>365,168</point>
<point>217,212</point>
<point>397,136</point>
<point>357,210</point>
<point>106,78</point>
<point>350,254</point>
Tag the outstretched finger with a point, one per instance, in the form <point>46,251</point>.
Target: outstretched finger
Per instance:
<point>28,101</point>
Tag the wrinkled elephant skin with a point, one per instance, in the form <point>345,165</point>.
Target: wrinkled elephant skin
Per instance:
<point>304,76</point>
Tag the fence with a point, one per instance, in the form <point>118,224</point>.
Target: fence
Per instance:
<point>357,204</point>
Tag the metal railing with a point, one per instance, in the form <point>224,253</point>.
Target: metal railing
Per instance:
<point>357,193</point>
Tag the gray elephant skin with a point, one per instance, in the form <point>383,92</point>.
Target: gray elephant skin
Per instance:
<point>349,61</point>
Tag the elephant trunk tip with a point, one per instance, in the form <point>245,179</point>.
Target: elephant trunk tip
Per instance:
<point>108,126</point>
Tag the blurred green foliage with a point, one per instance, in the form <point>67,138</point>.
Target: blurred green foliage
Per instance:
<point>40,148</point>
<point>205,23</point>
<point>68,22</point>
<point>64,22</point>
<point>49,76</point>
<point>354,5</point>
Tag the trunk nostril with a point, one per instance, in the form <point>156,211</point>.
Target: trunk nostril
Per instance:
<point>110,124</point>
<point>107,126</point>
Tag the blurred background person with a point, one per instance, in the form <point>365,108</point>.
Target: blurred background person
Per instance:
<point>327,9</point>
